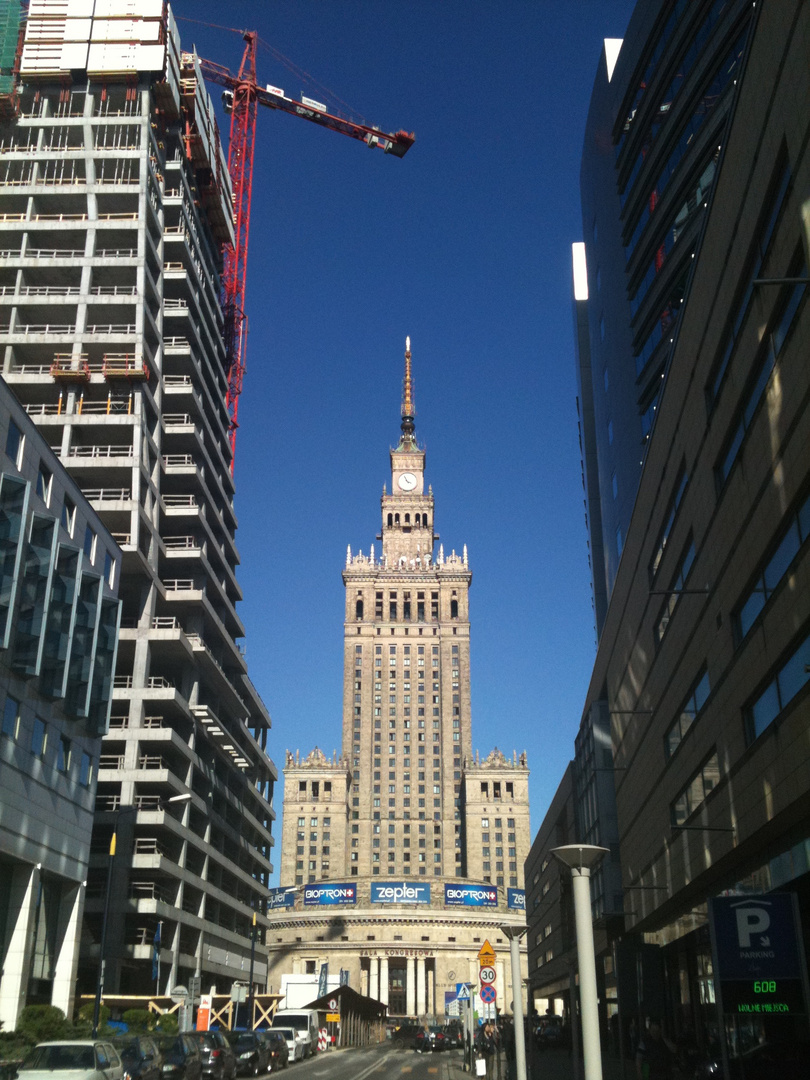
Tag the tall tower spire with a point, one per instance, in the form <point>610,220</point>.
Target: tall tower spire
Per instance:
<point>408,409</point>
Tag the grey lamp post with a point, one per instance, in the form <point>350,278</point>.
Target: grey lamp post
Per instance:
<point>103,944</point>
<point>580,860</point>
<point>515,933</point>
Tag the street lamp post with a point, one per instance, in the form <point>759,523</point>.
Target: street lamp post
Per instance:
<point>102,961</point>
<point>580,860</point>
<point>250,982</point>
<point>515,933</point>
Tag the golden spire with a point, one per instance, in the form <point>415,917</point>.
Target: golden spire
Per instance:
<point>408,410</point>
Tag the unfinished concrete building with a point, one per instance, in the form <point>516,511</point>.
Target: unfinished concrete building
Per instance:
<point>115,204</point>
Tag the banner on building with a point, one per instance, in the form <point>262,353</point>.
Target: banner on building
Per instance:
<point>321,895</point>
<point>470,896</point>
<point>278,898</point>
<point>399,892</point>
<point>516,898</point>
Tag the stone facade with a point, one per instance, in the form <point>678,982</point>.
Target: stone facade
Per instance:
<point>426,839</point>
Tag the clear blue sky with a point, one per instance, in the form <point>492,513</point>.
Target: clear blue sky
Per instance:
<point>465,245</point>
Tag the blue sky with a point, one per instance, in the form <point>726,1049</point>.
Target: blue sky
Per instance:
<point>465,245</point>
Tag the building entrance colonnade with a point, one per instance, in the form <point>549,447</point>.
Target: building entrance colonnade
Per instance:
<point>406,984</point>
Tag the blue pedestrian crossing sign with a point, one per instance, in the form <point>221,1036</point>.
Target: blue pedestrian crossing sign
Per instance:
<point>463,994</point>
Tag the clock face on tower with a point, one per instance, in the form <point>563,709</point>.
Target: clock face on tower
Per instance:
<point>407,482</point>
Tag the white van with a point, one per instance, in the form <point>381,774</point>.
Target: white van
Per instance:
<point>304,1022</point>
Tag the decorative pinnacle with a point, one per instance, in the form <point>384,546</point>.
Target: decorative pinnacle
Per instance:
<point>408,410</point>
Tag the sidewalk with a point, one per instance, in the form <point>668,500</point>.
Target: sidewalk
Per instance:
<point>554,1064</point>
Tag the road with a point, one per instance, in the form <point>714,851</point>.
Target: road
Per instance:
<point>378,1063</point>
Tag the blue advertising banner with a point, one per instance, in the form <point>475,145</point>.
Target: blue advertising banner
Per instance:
<point>320,895</point>
<point>516,898</point>
<point>399,892</point>
<point>470,896</point>
<point>278,898</point>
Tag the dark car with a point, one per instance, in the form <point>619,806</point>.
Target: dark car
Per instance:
<point>140,1056</point>
<point>429,1039</point>
<point>278,1051</point>
<point>181,1057</point>
<point>218,1059</point>
<point>252,1054</point>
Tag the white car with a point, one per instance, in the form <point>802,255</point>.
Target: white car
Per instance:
<point>80,1059</point>
<point>296,1044</point>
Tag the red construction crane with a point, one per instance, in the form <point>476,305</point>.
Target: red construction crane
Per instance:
<point>242,97</point>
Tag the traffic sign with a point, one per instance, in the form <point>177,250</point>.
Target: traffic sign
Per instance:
<point>486,956</point>
<point>333,1004</point>
<point>178,994</point>
<point>487,975</point>
<point>463,994</point>
<point>488,995</point>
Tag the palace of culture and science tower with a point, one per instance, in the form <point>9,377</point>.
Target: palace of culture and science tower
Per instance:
<point>404,854</point>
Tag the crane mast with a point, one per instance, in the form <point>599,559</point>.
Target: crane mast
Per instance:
<point>243,96</point>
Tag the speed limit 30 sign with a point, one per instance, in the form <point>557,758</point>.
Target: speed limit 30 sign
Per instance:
<point>486,975</point>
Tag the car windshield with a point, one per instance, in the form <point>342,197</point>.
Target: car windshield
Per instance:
<point>288,1033</point>
<point>245,1042</point>
<point>61,1057</point>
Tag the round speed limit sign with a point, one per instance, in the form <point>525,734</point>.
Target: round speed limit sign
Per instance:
<point>486,975</point>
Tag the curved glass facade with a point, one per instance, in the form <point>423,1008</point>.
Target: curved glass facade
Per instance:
<point>653,144</point>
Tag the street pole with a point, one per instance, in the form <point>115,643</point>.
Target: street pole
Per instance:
<point>515,933</point>
<point>103,946</point>
<point>102,959</point>
<point>250,984</point>
<point>580,860</point>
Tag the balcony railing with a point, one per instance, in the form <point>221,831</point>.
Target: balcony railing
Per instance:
<point>101,451</point>
<point>94,495</point>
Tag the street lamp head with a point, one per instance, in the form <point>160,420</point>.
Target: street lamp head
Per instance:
<point>510,931</point>
<point>580,856</point>
<point>178,798</point>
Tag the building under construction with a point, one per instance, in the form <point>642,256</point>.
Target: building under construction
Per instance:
<point>115,204</point>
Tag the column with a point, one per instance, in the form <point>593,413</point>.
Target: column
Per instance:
<point>374,978</point>
<point>410,979</point>
<point>67,949</point>
<point>420,987</point>
<point>504,999</point>
<point>384,980</point>
<point>431,990</point>
<point>17,963</point>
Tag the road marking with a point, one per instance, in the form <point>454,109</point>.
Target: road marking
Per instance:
<point>373,1067</point>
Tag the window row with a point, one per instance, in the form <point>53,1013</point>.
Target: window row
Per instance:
<point>47,744</point>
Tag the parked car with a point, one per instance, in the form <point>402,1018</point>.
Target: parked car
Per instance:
<point>430,1039</point>
<point>296,1050</point>
<point>77,1059</point>
<point>455,1036</point>
<point>181,1057</point>
<point>251,1054</point>
<point>218,1058</point>
<point>140,1057</point>
<point>405,1033</point>
<point>278,1054</point>
<point>549,1033</point>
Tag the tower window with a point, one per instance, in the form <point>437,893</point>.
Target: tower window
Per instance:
<point>453,609</point>
<point>390,520</point>
<point>358,609</point>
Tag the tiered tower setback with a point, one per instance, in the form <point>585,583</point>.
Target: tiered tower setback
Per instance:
<point>396,815</point>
